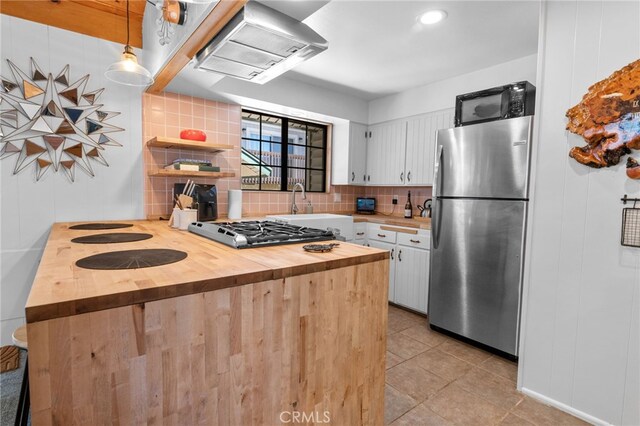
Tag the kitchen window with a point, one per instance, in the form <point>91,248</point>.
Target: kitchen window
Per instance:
<point>275,147</point>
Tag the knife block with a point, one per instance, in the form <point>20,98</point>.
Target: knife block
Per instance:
<point>205,200</point>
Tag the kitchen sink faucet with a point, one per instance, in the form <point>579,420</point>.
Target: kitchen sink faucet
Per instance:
<point>294,208</point>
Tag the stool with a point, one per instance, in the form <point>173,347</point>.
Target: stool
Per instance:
<point>19,337</point>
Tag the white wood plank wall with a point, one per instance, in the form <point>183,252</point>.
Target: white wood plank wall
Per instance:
<point>28,208</point>
<point>582,293</point>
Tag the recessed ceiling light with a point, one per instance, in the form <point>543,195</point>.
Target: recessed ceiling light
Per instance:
<point>432,17</point>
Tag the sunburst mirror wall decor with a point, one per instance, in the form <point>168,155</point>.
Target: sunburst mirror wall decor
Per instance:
<point>52,122</point>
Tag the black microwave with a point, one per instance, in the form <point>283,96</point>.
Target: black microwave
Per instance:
<point>499,103</point>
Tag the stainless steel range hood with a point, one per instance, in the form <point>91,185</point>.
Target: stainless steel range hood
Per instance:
<point>258,44</point>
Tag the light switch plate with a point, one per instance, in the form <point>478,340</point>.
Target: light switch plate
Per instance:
<point>337,197</point>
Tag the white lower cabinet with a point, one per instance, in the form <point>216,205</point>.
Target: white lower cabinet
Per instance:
<point>392,265</point>
<point>412,277</point>
<point>408,266</point>
<point>360,233</point>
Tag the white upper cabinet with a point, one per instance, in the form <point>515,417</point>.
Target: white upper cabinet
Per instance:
<point>421,140</point>
<point>399,152</point>
<point>357,153</point>
<point>348,153</point>
<point>385,153</point>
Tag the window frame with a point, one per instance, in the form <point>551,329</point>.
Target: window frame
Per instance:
<point>284,151</point>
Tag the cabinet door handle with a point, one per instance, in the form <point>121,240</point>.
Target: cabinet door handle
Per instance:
<point>400,256</point>
<point>402,177</point>
<point>409,176</point>
<point>359,233</point>
<point>353,176</point>
<point>415,241</point>
<point>382,236</point>
<point>392,250</point>
<point>369,178</point>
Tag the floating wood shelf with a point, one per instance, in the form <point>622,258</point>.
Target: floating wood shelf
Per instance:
<point>189,173</point>
<point>163,142</point>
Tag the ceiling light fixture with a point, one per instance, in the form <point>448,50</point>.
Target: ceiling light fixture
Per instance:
<point>127,71</point>
<point>432,17</point>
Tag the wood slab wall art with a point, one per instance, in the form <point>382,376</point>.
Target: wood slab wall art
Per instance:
<point>52,122</point>
<point>608,118</point>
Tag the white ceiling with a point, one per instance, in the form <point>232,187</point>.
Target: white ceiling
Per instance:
<point>377,48</point>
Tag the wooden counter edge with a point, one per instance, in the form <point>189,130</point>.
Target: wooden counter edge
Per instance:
<point>139,296</point>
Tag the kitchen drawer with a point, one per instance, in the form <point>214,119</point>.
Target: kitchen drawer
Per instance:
<point>420,240</point>
<point>375,233</point>
<point>360,230</point>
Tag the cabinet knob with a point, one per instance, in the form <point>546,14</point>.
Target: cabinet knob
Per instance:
<point>415,241</point>
<point>382,236</point>
<point>359,233</point>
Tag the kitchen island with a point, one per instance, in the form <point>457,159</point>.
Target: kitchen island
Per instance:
<point>224,336</point>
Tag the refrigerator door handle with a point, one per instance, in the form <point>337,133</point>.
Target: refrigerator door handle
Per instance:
<point>436,179</point>
<point>436,223</point>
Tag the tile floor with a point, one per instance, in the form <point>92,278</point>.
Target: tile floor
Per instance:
<point>434,380</point>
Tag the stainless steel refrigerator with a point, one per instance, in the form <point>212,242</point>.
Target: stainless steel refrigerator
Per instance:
<point>481,190</point>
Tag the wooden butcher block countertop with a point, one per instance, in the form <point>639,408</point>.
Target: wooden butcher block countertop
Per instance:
<point>416,222</point>
<point>61,289</point>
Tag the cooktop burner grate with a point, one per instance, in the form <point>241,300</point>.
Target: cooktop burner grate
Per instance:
<point>258,233</point>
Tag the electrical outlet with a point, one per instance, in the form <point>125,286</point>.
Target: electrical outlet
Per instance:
<point>337,197</point>
<point>394,200</point>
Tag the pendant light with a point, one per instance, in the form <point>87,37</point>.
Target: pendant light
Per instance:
<point>127,71</point>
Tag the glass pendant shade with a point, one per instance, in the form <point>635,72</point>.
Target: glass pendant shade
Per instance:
<point>127,71</point>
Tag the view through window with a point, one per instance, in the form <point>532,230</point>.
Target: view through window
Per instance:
<point>276,147</point>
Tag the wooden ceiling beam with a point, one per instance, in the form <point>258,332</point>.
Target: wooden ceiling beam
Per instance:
<point>97,18</point>
<point>210,26</point>
<point>117,7</point>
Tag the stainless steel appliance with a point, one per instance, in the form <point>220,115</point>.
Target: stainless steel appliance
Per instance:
<point>341,225</point>
<point>498,103</point>
<point>478,231</point>
<point>250,234</point>
<point>258,44</point>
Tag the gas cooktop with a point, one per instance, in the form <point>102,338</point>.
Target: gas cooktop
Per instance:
<point>258,233</point>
